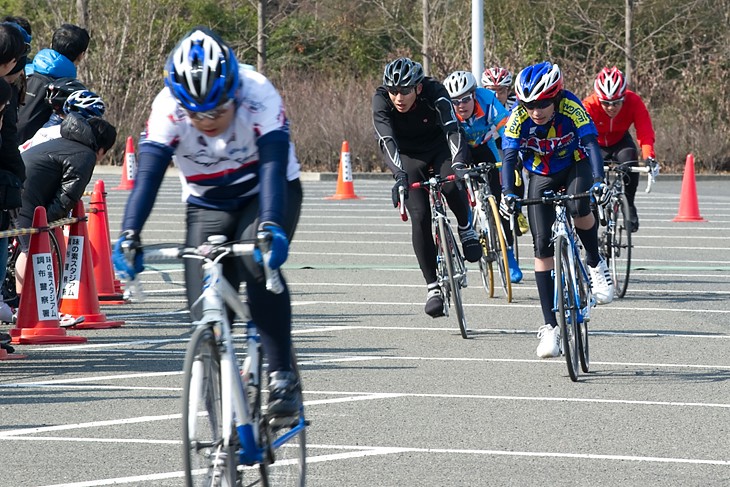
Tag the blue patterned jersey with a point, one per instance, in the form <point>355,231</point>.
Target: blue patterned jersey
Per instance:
<point>550,148</point>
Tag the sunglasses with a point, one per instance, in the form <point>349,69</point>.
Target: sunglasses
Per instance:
<point>613,103</point>
<point>466,99</point>
<point>539,104</point>
<point>211,114</point>
<point>400,90</point>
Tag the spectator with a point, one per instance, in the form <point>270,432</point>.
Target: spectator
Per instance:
<point>59,170</point>
<point>68,49</point>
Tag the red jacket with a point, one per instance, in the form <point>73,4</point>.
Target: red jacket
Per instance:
<point>611,130</point>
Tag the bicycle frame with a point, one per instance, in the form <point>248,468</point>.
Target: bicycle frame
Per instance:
<point>217,291</point>
<point>563,226</point>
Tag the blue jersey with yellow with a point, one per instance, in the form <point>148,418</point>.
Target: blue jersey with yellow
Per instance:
<point>550,148</point>
<point>487,122</point>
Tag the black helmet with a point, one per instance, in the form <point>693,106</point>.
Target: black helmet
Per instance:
<point>402,72</point>
<point>58,91</point>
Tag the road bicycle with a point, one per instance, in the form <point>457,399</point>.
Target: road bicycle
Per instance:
<point>573,297</point>
<point>228,439</point>
<point>614,235</point>
<point>450,266</point>
<point>488,224</point>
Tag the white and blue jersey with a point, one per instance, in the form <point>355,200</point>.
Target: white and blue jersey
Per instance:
<point>486,123</point>
<point>220,172</point>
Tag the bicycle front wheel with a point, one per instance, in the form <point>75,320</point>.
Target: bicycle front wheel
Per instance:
<point>207,460</point>
<point>454,281</point>
<point>565,292</point>
<point>486,270</point>
<point>499,244</point>
<point>620,242</point>
<point>285,464</point>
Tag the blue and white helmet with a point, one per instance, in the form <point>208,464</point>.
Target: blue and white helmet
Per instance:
<point>539,82</point>
<point>202,71</point>
<point>87,103</point>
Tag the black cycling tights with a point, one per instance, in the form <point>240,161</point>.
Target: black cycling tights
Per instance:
<point>271,312</point>
<point>623,151</point>
<point>419,208</point>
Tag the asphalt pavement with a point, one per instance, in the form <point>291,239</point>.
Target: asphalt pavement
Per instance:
<point>396,398</point>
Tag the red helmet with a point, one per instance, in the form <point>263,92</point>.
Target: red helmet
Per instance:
<point>610,84</point>
<point>493,77</point>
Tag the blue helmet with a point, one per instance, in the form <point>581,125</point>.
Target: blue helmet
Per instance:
<point>202,71</point>
<point>539,82</point>
<point>87,103</point>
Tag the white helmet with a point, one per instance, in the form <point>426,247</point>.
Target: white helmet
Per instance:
<point>459,83</point>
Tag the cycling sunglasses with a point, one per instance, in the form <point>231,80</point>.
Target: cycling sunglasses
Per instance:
<point>211,114</point>
<point>539,104</point>
<point>402,90</point>
<point>609,103</point>
<point>459,101</point>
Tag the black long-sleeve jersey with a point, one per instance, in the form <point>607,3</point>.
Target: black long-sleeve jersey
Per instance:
<point>429,124</point>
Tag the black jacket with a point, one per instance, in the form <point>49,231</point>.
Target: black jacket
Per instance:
<point>36,111</point>
<point>10,159</point>
<point>58,171</point>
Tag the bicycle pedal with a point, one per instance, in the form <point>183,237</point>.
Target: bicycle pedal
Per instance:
<point>279,422</point>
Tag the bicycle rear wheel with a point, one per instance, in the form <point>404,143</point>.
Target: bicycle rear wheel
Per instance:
<point>207,461</point>
<point>486,270</point>
<point>9,285</point>
<point>565,292</point>
<point>620,243</point>
<point>285,464</point>
<point>454,281</point>
<point>584,292</point>
<point>498,243</point>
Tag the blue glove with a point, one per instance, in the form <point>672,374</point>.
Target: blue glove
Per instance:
<point>508,205</point>
<point>460,169</point>
<point>127,256</point>
<point>600,192</point>
<point>278,245</point>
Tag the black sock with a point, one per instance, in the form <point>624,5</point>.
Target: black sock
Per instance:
<point>590,243</point>
<point>546,291</point>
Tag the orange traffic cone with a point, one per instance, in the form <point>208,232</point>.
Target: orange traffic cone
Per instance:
<point>4,355</point>
<point>129,166</point>
<point>79,287</point>
<point>101,251</point>
<point>689,208</point>
<point>38,311</point>
<point>345,189</point>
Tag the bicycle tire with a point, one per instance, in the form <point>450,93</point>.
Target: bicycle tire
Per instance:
<point>57,259</point>
<point>448,244</point>
<point>203,445</point>
<point>486,271</point>
<point>500,245</point>
<point>567,308</point>
<point>584,292</point>
<point>286,465</point>
<point>620,241</point>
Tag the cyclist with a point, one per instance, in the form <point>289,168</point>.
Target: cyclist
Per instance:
<point>482,117</point>
<point>557,139</point>
<point>418,131</point>
<point>614,108</point>
<point>86,103</point>
<point>226,127</point>
<point>499,80</point>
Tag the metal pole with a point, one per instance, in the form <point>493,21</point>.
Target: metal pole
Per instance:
<point>477,37</point>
